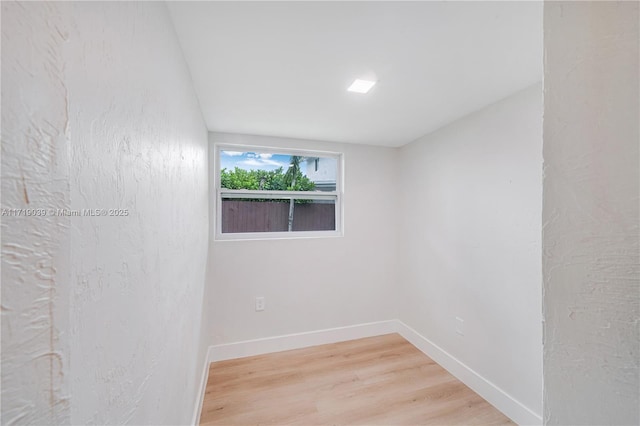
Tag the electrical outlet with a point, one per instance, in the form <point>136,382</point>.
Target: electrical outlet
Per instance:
<point>460,326</point>
<point>260,304</point>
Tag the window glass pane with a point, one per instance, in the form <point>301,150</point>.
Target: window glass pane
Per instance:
<point>276,172</point>
<point>275,215</point>
<point>314,215</point>
<point>242,215</point>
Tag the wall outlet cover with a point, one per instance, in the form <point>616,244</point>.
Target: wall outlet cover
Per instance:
<point>260,304</point>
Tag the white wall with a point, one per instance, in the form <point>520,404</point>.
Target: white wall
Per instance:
<point>101,315</point>
<point>470,241</point>
<point>35,250</point>
<point>591,214</point>
<point>313,284</point>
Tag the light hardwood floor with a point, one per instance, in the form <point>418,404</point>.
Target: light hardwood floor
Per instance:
<point>377,380</point>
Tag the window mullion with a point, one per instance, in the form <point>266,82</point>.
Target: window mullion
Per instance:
<point>256,214</point>
<point>285,195</point>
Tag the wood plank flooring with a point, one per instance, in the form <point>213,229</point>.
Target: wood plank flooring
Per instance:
<point>381,380</point>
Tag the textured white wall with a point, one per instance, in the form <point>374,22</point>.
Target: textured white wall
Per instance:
<point>313,284</point>
<point>98,112</point>
<point>591,264</point>
<point>35,250</point>
<point>471,242</point>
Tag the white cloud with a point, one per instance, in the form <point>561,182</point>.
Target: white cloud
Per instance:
<point>261,163</point>
<point>232,153</point>
<point>265,156</point>
<point>251,162</point>
<point>274,163</point>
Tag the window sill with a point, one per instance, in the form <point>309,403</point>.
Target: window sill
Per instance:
<point>265,236</point>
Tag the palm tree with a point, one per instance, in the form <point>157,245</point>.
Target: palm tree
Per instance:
<point>290,179</point>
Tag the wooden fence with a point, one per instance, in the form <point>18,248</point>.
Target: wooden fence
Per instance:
<point>273,216</point>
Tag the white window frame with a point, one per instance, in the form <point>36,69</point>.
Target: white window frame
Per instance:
<point>336,195</point>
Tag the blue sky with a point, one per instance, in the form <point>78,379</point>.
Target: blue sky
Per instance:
<point>256,161</point>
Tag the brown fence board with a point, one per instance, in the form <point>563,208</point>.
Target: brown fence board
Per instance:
<point>314,217</point>
<point>273,216</point>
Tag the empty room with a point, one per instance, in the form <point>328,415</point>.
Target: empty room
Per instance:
<point>320,213</point>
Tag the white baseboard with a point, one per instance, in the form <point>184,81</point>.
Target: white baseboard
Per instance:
<point>284,343</point>
<point>301,340</point>
<point>201,390</point>
<point>504,402</point>
<point>508,405</point>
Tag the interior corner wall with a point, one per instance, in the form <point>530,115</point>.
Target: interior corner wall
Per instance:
<point>100,311</point>
<point>471,242</point>
<point>313,283</point>
<point>591,241</point>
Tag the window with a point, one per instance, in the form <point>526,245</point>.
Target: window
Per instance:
<point>277,193</point>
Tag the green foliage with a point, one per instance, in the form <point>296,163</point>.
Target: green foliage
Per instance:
<point>274,180</point>
<point>293,172</point>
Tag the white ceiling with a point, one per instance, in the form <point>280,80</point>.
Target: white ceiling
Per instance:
<point>282,68</point>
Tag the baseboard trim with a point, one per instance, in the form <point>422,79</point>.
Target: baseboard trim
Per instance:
<point>504,402</point>
<point>286,342</point>
<point>301,340</point>
<point>204,377</point>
